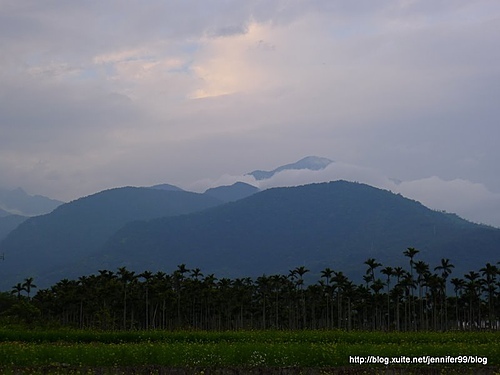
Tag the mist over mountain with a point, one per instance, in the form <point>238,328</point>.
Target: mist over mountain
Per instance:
<point>313,163</point>
<point>469,199</point>
<point>74,230</point>
<point>19,202</point>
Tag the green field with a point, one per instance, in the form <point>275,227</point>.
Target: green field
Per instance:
<point>73,351</point>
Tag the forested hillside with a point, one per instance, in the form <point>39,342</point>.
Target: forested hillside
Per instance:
<point>319,225</point>
<point>41,245</point>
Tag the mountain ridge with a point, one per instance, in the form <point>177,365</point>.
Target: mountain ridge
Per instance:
<point>168,187</point>
<point>232,193</point>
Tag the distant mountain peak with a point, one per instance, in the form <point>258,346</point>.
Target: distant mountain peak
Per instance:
<point>18,202</point>
<point>314,163</point>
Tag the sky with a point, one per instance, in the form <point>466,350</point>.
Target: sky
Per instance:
<point>401,94</point>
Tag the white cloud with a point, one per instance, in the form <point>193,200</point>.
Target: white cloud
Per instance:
<point>470,200</point>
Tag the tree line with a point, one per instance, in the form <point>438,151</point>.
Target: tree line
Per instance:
<point>420,297</point>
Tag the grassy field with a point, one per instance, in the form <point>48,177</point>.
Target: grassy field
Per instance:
<point>88,352</point>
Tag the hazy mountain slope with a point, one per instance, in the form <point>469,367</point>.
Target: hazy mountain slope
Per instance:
<point>79,228</point>
<point>9,223</point>
<point>309,162</point>
<point>17,201</point>
<point>234,192</point>
<point>338,225</point>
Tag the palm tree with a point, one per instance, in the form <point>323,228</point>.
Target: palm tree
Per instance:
<point>367,279</point>
<point>340,281</point>
<point>490,273</point>
<point>146,275</point>
<point>459,285</point>
<point>301,271</point>
<point>178,277</point>
<point>399,272</point>
<point>377,286</point>
<point>263,288</point>
<point>226,302</point>
<point>126,277</point>
<point>350,291</point>
<point>445,268</point>
<point>434,284</point>
<point>194,286</point>
<point>473,290</point>
<point>28,285</point>
<point>372,264</point>
<point>327,275</point>
<point>408,284</point>
<point>410,252</point>
<point>108,289</point>
<point>196,273</point>
<point>388,271</point>
<point>276,285</point>
<point>163,293</point>
<point>181,268</point>
<point>17,289</point>
<point>209,296</point>
<point>422,270</point>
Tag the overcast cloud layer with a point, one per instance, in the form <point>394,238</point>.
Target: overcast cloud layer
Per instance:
<point>99,94</point>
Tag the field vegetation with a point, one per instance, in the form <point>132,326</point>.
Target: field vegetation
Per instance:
<point>236,349</point>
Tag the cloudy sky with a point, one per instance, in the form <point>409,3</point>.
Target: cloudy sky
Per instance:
<point>98,94</point>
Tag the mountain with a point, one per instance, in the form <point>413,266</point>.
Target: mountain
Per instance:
<point>167,187</point>
<point>234,192</point>
<point>4,213</point>
<point>17,201</point>
<point>337,224</point>
<point>9,223</point>
<point>313,163</point>
<point>43,244</point>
